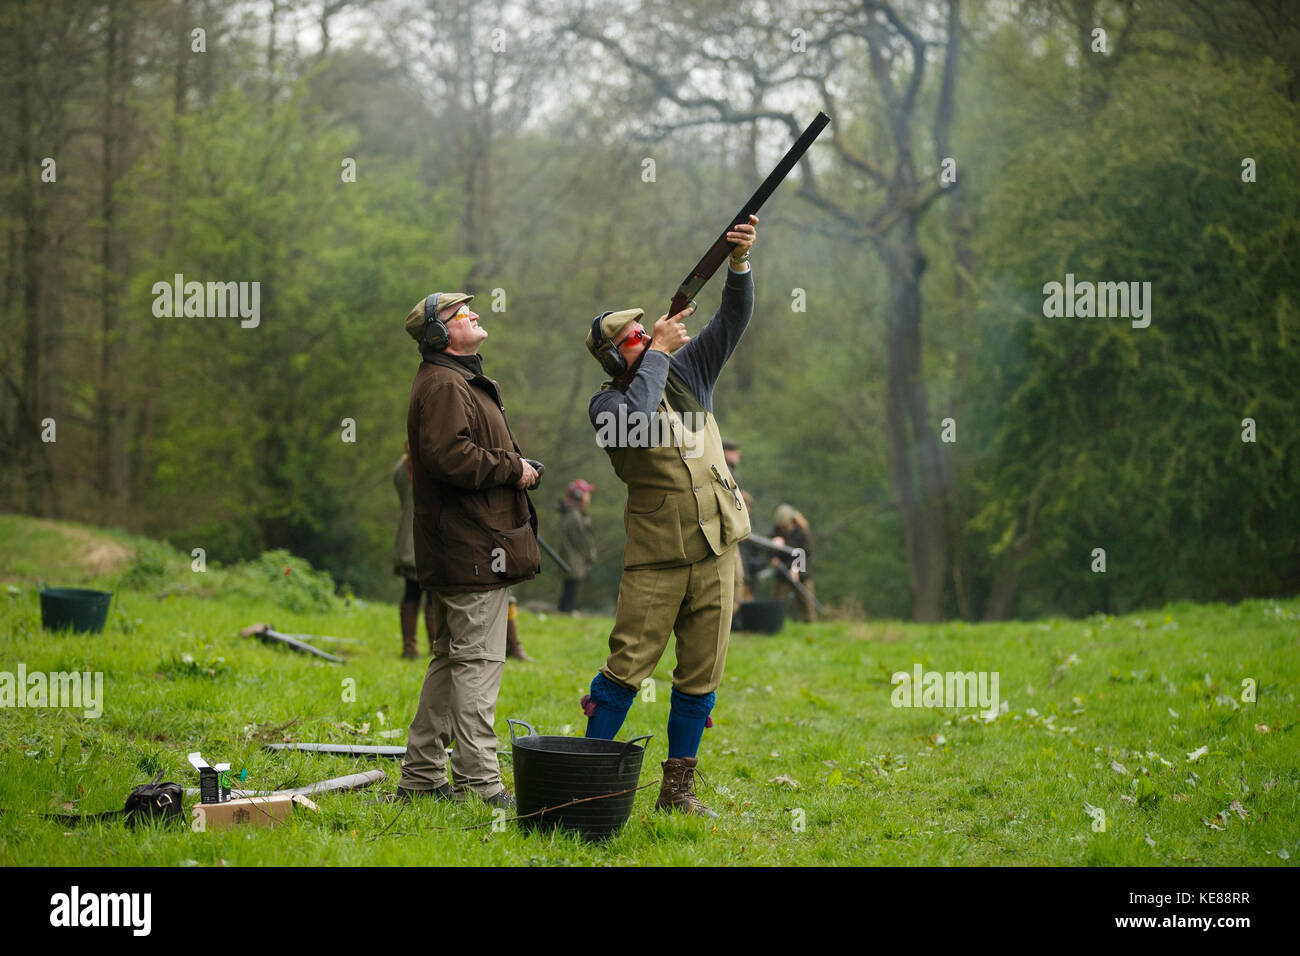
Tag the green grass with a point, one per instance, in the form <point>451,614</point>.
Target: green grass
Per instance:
<point>876,784</point>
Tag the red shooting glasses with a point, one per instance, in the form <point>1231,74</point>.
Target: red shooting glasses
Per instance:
<point>634,337</point>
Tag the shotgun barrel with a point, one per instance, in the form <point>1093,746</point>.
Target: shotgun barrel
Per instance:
<point>564,565</point>
<point>721,248</point>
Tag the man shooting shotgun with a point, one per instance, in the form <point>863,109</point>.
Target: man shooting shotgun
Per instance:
<point>684,515</point>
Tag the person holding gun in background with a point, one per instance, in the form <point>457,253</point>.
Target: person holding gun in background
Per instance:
<point>404,563</point>
<point>684,517</point>
<point>791,530</point>
<point>577,543</point>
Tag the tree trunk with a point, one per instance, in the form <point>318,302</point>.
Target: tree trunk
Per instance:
<point>1002,599</point>
<point>112,414</point>
<point>963,269</point>
<point>919,487</point>
<point>33,219</point>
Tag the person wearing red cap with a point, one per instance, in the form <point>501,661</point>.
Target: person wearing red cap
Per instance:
<point>577,543</point>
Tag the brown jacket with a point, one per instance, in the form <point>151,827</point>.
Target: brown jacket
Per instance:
<point>474,530</point>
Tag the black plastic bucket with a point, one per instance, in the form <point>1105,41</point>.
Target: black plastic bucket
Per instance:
<point>77,608</point>
<point>767,617</point>
<point>550,771</point>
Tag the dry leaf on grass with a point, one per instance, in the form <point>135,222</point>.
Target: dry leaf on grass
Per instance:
<point>785,780</point>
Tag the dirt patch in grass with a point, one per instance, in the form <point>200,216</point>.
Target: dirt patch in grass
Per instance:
<point>40,547</point>
<point>105,557</point>
<point>881,634</point>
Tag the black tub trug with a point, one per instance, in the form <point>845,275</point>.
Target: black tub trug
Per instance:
<point>550,771</point>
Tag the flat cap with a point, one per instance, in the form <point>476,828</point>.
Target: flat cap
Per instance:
<point>614,323</point>
<point>415,318</point>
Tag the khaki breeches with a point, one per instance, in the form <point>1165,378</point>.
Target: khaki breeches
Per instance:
<point>695,602</point>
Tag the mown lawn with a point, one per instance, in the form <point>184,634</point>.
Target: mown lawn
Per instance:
<point>1141,717</point>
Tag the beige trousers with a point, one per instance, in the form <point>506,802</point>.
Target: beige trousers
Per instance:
<point>459,698</point>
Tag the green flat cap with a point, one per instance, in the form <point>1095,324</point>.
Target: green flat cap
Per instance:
<point>415,318</point>
<point>613,324</point>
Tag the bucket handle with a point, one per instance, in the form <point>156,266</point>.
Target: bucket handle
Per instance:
<point>627,749</point>
<point>522,723</point>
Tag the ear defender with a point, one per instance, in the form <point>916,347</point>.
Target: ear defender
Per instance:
<point>435,335</point>
<point>607,353</point>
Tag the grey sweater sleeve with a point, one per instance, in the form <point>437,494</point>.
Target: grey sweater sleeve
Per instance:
<point>642,395</point>
<point>699,362</point>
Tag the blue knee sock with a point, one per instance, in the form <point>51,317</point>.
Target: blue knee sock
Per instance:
<point>607,708</point>
<point>686,722</point>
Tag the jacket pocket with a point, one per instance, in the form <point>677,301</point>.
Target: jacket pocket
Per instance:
<point>735,521</point>
<point>653,537</point>
<point>646,504</point>
<point>515,553</point>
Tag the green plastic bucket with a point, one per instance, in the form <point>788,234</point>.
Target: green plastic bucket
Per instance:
<point>80,609</point>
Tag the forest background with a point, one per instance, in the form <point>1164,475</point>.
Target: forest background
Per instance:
<point>958,452</point>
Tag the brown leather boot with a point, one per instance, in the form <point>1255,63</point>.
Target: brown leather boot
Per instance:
<point>430,623</point>
<point>409,614</point>
<point>677,789</point>
<point>513,647</point>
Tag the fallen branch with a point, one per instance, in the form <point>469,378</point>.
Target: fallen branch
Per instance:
<point>344,750</point>
<point>268,634</point>
<point>353,781</point>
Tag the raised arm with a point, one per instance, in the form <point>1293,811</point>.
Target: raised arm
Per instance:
<point>700,361</point>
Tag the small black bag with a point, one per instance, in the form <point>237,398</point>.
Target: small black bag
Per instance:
<point>154,801</point>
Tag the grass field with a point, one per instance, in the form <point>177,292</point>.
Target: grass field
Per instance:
<point>1140,718</point>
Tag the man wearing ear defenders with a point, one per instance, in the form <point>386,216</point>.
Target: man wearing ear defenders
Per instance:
<point>475,534</point>
<point>684,515</point>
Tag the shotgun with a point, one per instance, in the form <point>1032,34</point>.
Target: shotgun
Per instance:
<point>768,544</point>
<point>721,249</point>
<point>550,552</point>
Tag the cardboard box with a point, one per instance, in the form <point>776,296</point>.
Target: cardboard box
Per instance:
<point>247,812</point>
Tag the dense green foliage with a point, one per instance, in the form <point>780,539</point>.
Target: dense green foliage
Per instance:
<point>502,174</point>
